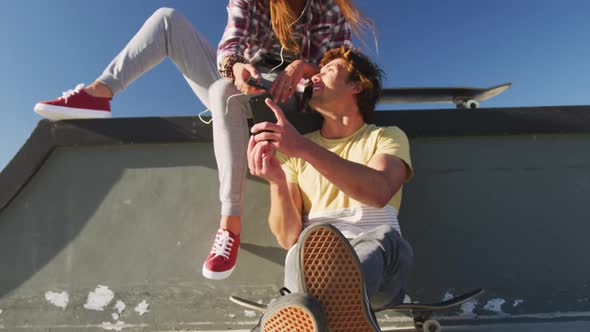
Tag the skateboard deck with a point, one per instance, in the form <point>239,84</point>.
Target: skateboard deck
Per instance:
<point>421,312</point>
<point>462,97</point>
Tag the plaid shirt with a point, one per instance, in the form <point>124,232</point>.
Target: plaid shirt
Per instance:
<point>249,32</point>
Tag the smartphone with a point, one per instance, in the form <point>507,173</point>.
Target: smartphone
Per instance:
<point>261,83</point>
<point>260,111</point>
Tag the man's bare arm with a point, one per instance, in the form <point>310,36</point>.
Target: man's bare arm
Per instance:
<point>284,218</point>
<point>285,198</point>
<point>374,184</point>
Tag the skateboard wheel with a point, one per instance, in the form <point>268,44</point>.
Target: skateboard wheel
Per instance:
<point>431,325</point>
<point>472,104</point>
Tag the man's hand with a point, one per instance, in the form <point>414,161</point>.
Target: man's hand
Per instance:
<point>282,135</point>
<point>263,163</point>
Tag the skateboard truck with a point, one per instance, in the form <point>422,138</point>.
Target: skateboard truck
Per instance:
<point>466,103</point>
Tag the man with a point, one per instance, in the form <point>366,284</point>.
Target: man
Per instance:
<point>335,196</point>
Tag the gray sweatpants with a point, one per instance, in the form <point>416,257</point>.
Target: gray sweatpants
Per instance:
<point>386,261</point>
<point>167,33</point>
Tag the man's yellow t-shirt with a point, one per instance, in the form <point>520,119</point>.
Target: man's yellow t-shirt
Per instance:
<point>319,194</point>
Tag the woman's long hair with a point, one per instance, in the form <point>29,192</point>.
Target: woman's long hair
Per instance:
<point>283,18</point>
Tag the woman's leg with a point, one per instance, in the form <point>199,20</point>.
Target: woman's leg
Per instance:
<point>167,33</point>
<point>230,110</point>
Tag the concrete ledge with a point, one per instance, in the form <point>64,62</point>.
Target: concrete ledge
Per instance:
<point>419,123</point>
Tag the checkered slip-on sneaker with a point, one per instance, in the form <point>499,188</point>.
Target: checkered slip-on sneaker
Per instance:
<point>293,312</point>
<point>329,270</point>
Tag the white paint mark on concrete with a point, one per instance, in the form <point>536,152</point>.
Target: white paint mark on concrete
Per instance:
<point>231,315</point>
<point>58,299</point>
<point>249,313</point>
<point>448,295</point>
<point>142,308</point>
<point>118,326</point>
<point>468,307</point>
<point>99,298</point>
<point>115,316</point>
<point>518,302</point>
<point>495,305</point>
<point>120,306</point>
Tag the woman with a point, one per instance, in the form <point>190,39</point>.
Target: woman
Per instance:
<point>277,40</point>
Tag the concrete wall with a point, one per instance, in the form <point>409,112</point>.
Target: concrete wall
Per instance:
<point>133,223</point>
<point>505,213</point>
<point>136,219</point>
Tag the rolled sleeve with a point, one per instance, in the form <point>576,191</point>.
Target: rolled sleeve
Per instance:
<point>236,31</point>
<point>393,141</point>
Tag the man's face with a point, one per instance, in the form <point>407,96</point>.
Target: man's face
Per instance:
<point>331,85</point>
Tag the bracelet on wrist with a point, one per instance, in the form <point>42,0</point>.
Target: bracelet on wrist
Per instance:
<point>227,68</point>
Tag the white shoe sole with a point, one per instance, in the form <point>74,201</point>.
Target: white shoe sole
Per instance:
<point>52,112</point>
<point>217,275</point>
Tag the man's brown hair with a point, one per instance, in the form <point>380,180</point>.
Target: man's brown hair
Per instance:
<point>361,69</point>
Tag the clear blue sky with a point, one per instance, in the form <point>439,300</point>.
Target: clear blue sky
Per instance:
<point>541,46</point>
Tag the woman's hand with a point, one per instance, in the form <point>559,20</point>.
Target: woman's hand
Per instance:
<point>242,72</point>
<point>286,82</point>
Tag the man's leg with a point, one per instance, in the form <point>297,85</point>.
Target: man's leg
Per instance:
<point>330,271</point>
<point>386,260</point>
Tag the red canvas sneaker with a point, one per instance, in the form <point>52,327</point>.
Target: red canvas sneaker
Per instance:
<point>223,256</point>
<point>75,104</point>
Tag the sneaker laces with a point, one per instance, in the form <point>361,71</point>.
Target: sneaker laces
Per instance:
<point>67,94</point>
<point>222,245</point>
